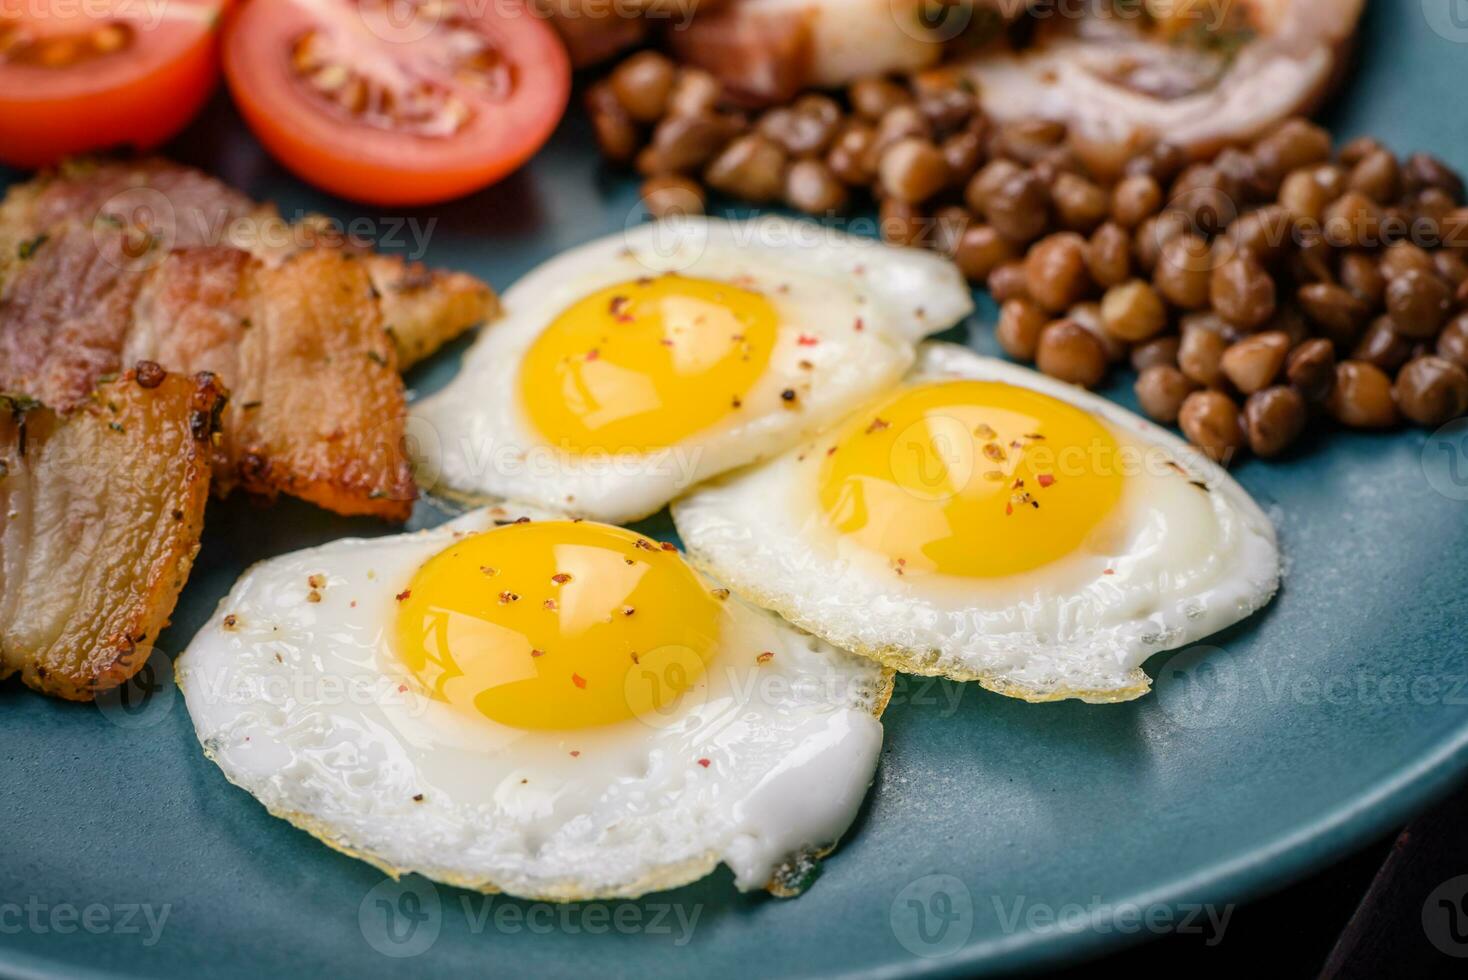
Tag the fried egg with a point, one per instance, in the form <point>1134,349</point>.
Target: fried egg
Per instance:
<point>555,709</point>
<point>983,522</point>
<point>628,370</point>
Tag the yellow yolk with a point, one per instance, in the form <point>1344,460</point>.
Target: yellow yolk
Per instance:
<point>970,478</point>
<point>557,625</point>
<point>645,364</point>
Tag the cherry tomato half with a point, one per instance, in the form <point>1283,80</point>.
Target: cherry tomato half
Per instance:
<point>86,76</point>
<point>397,102</point>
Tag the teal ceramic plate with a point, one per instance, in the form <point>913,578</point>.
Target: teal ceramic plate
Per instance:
<point>998,834</point>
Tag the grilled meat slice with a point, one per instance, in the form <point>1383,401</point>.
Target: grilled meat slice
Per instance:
<point>317,408</point>
<point>165,206</point>
<point>100,516</point>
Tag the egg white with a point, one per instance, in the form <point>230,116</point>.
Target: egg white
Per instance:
<point>1192,555</point>
<point>305,705</point>
<point>472,440</point>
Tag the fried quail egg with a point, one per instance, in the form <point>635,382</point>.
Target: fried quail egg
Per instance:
<point>983,522</point>
<point>628,370</point>
<point>555,709</point>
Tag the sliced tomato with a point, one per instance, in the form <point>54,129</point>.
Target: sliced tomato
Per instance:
<point>397,102</point>
<point>79,76</point>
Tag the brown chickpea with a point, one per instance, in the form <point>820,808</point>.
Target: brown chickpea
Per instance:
<point>1109,255</point>
<point>616,133</point>
<point>1152,234</point>
<point>1293,144</point>
<point>1454,229</point>
<point>1200,355</point>
<point>1253,363</point>
<point>1055,271</point>
<point>1079,204</point>
<point>1311,369</point>
<point>751,168</point>
<point>804,129</point>
<point>1451,266</point>
<point>1161,390</point>
<point>1358,149</point>
<point>1264,233</point>
<point>684,143</point>
<point>1289,321</point>
<point>963,152</point>
<point>1133,312</point>
<point>1162,162</point>
<point>1432,390</point>
<point>1303,196</point>
<point>873,98</point>
<point>670,196</point>
<point>1018,331</point>
<point>901,223</point>
<point>1088,315</point>
<point>694,93</point>
<point>1008,282</point>
<point>1019,209</point>
<point>912,170</point>
<point>1452,343</point>
<point>1135,199</point>
<point>900,123</point>
<point>1027,141</point>
<point>810,186</point>
<point>852,155</point>
<point>1402,257</point>
<point>1418,303</point>
<point>1210,420</point>
<point>981,250</point>
<point>1159,350</point>
<point>1383,346</point>
<point>1200,194</point>
<point>1423,171</point>
<point>1362,396</point>
<point>1353,221</point>
<point>1339,315</point>
<point>1362,278</point>
<point>987,181</point>
<point>1313,258</point>
<point>1183,275</point>
<point>1072,353</point>
<point>1243,292</point>
<point>1274,419</point>
<point>1378,176</point>
<point>947,109</point>
<point>643,84</point>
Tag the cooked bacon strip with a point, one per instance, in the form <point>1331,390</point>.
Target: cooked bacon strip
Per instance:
<point>100,517</point>
<point>182,208</point>
<point>317,408</point>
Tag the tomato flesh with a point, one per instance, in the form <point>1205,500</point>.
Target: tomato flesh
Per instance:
<point>78,77</point>
<point>396,102</point>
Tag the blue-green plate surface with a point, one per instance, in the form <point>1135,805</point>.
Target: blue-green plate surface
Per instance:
<point>1317,725</point>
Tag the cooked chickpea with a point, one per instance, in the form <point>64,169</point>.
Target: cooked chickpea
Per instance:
<point>1135,199</point>
<point>1079,204</point>
<point>1362,396</point>
<point>752,167</point>
<point>912,170</point>
<point>1133,312</point>
<point>981,250</point>
<point>1183,275</point>
<point>1159,350</point>
<point>1273,419</point>
<point>1070,352</point>
<point>1018,331</point>
<point>1418,303</point>
<point>1055,272</point>
<point>810,186</point>
<point>1161,390</point>
<point>1200,355</point>
<point>643,84</point>
<point>1109,255</point>
<point>1243,292</point>
<point>1008,282</point>
<point>1253,363</point>
<point>1210,420</point>
<point>1432,390</point>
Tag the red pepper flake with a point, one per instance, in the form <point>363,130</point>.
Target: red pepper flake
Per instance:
<point>404,594</point>
<point>645,544</point>
<point>831,451</point>
<point>231,621</point>
<point>705,762</point>
<point>549,605</point>
<point>1018,485</point>
<point>489,570</point>
<point>1046,480</point>
<point>560,578</point>
<point>1109,571</point>
<point>579,681</point>
<point>807,340</point>
<point>593,354</point>
<point>878,424</point>
<point>353,604</point>
<point>765,657</point>
<point>859,325</point>
<point>575,753</point>
<point>402,689</point>
<point>1008,509</point>
<point>618,309</point>
<point>628,610</point>
<point>508,597</point>
<point>736,402</point>
<point>537,653</point>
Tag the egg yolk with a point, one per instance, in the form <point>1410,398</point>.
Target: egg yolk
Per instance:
<point>643,365</point>
<point>557,625</point>
<point>970,478</point>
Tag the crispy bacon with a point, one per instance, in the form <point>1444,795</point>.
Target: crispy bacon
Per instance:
<point>316,408</point>
<point>164,206</point>
<point>102,512</point>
